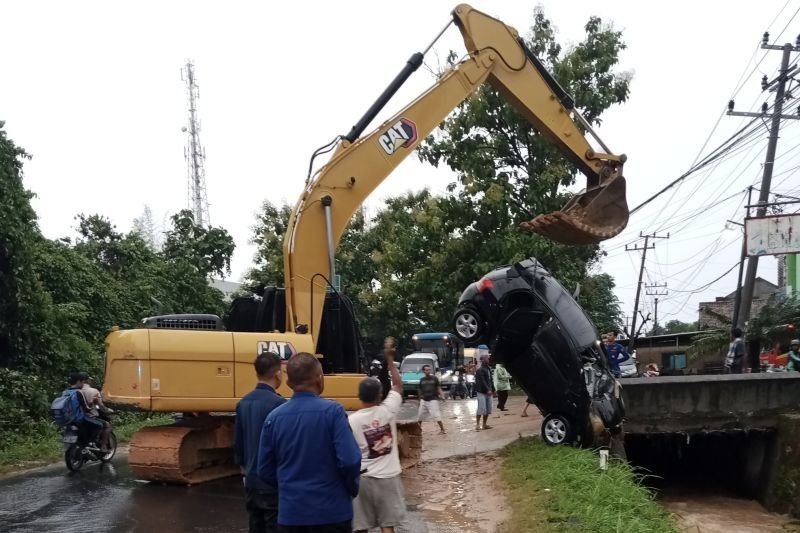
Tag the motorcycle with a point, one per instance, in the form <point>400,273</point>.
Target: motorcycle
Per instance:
<point>459,388</point>
<point>80,447</point>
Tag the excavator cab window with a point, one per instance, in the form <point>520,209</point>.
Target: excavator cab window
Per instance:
<point>339,340</point>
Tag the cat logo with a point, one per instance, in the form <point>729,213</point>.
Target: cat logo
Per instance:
<point>284,349</point>
<point>402,134</point>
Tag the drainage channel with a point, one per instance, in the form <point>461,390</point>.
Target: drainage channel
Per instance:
<point>712,481</point>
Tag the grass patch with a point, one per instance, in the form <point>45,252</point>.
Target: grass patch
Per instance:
<point>563,489</point>
<point>39,444</point>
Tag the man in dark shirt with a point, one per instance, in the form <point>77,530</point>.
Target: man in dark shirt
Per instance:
<point>429,392</point>
<point>261,500</point>
<point>309,453</point>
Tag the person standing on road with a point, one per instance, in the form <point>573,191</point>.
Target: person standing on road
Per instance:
<point>528,402</point>
<point>794,356</point>
<point>502,384</point>
<point>308,452</point>
<point>380,501</point>
<point>484,386</point>
<point>429,393</point>
<point>734,361</point>
<point>616,353</point>
<point>389,344</point>
<point>261,499</point>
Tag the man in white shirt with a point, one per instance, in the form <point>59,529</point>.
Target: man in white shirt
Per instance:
<point>380,501</point>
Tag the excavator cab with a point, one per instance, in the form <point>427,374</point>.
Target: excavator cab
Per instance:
<point>339,340</point>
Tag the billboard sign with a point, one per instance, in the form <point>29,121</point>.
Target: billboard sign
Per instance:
<point>772,235</point>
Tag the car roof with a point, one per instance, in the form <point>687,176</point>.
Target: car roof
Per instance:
<point>421,355</point>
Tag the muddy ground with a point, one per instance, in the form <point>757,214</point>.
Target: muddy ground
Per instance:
<point>457,486</point>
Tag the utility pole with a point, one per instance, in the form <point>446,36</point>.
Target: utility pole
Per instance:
<point>779,86</point>
<point>647,246</point>
<point>738,300</point>
<point>656,290</point>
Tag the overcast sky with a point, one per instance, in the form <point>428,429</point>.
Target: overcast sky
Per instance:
<point>93,91</point>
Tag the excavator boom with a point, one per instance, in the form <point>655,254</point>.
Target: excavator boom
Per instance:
<point>360,164</point>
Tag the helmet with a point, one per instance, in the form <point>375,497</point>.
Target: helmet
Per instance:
<point>795,341</point>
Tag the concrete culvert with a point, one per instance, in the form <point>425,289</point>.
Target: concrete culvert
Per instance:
<point>736,461</point>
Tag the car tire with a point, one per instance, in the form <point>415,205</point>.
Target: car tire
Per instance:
<point>468,325</point>
<point>557,429</point>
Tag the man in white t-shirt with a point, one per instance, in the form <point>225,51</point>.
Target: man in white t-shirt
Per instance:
<point>380,501</point>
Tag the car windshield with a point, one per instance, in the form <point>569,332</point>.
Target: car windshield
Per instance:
<point>412,366</point>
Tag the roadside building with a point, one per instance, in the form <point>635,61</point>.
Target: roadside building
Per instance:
<point>719,313</point>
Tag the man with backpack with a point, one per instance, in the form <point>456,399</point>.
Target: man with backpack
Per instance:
<point>82,412</point>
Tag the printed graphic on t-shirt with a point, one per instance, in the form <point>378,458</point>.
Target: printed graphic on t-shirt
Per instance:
<point>379,439</point>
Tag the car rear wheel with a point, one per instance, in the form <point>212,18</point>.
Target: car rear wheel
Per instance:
<point>557,429</point>
<point>468,325</point>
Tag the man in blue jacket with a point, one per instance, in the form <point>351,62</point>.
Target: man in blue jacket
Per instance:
<point>310,454</point>
<point>261,500</point>
<point>616,352</point>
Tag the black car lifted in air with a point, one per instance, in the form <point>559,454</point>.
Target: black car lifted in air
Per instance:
<point>548,344</point>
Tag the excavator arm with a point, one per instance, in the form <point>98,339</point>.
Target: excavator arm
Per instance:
<point>360,164</point>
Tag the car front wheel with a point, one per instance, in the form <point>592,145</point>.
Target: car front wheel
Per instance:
<point>468,325</point>
<point>557,429</point>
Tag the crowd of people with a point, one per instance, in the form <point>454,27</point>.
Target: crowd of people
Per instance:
<point>306,465</point>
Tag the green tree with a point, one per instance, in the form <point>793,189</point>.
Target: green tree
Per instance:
<point>208,250</point>
<point>268,232</point>
<point>600,303</point>
<point>676,326</point>
<point>22,304</point>
<point>145,226</point>
<point>776,321</point>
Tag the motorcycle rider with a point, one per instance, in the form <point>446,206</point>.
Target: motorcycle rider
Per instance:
<point>89,400</point>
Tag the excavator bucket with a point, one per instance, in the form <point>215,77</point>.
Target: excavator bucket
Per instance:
<point>591,216</point>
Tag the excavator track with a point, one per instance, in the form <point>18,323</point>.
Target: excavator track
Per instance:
<point>196,450</point>
<point>192,451</point>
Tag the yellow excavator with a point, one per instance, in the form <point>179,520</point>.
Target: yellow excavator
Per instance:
<point>198,366</point>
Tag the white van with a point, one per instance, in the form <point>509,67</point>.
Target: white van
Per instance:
<point>411,370</point>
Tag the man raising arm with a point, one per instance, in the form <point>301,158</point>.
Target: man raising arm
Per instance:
<point>380,502</point>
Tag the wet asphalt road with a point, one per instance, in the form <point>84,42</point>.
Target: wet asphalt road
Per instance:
<point>106,498</point>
